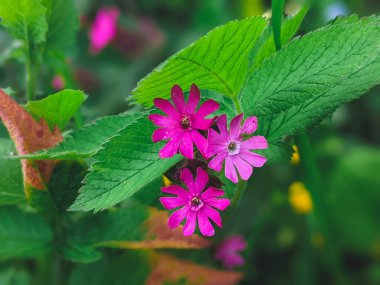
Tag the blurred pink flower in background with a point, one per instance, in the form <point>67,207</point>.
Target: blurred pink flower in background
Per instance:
<point>58,82</point>
<point>103,29</point>
<point>228,252</point>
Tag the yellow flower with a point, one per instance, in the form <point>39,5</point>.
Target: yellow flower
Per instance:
<point>295,160</point>
<point>166,181</point>
<point>299,198</point>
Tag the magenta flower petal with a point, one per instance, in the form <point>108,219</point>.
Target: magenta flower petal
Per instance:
<point>200,180</point>
<point>220,204</point>
<point>173,202</point>
<point>207,108</point>
<point>163,134</point>
<point>230,170</point>
<point>213,215</point>
<point>188,179</point>
<point>204,224</point>
<point>235,127</point>
<point>201,123</point>
<point>194,97</point>
<point>211,192</point>
<point>103,29</point>
<point>186,147</point>
<point>171,148</point>
<point>217,162</point>
<point>178,99</point>
<point>200,142</point>
<point>253,159</point>
<point>182,123</point>
<point>222,126</point>
<point>177,217</point>
<point>190,224</point>
<point>176,190</point>
<point>257,142</point>
<point>228,252</point>
<point>166,107</point>
<point>232,148</point>
<point>196,205</point>
<point>249,126</point>
<point>161,121</point>
<point>244,168</point>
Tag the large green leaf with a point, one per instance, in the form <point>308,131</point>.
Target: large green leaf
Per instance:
<point>87,140</point>
<point>24,19</point>
<point>63,22</point>
<point>126,163</point>
<point>22,234</point>
<point>57,109</point>
<point>321,71</point>
<point>218,61</point>
<point>11,183</point>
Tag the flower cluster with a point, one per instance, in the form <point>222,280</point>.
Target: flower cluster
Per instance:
<point>184,126</point>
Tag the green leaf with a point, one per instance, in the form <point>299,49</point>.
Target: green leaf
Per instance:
<point>57,109</point>
<point>22,234</point>
<point>13,276</point>
<point>312,76</point>
<point>81,254</point>
<point>217,61</point>
<point>125,164</point>
<point>11,182</point>
<point>24,19</point>
<point>65,182</point>
<point>63,22</point>
<point>277,152</point>
<point>134,226</point>
<point>87,141</point>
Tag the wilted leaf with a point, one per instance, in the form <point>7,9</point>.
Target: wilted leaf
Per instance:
<point>29,136</point>
<point>166,268</point>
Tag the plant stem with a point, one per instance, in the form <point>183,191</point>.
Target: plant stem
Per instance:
<point>28,74</point>
<point>236,102</point>
<point>240,189</point>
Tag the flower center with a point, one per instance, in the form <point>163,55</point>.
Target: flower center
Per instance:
<point>233,147</point>
<point>196,204</point>
<point>185,122</point>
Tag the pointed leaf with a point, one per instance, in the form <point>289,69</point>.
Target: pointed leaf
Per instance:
<point>24,19</point>
<point>28,136</point>
<point>57,109</point>
<point>126,163</point>
<point>87,140</point>
<point>217,61</point>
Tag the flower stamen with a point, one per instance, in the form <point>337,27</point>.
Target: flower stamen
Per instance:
<point>185,122</point>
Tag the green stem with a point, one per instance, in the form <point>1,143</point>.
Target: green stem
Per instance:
<point>78,118</point>
<point>240,189</point>
<point>236,102</point>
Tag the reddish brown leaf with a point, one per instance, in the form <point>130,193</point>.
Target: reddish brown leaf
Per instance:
<point>29,136</point>
<point>166,268</point>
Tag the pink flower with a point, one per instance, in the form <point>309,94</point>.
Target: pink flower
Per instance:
<point>195,204</point>
<point>228,252</point>
<point>182,123</point>
<point>58,82</point>
<point>103,29</point>
<point>234,149</point>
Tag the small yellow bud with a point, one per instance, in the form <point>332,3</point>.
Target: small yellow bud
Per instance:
<point>166,181</point>
<point>295,159</point>
<point>299,198</point>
